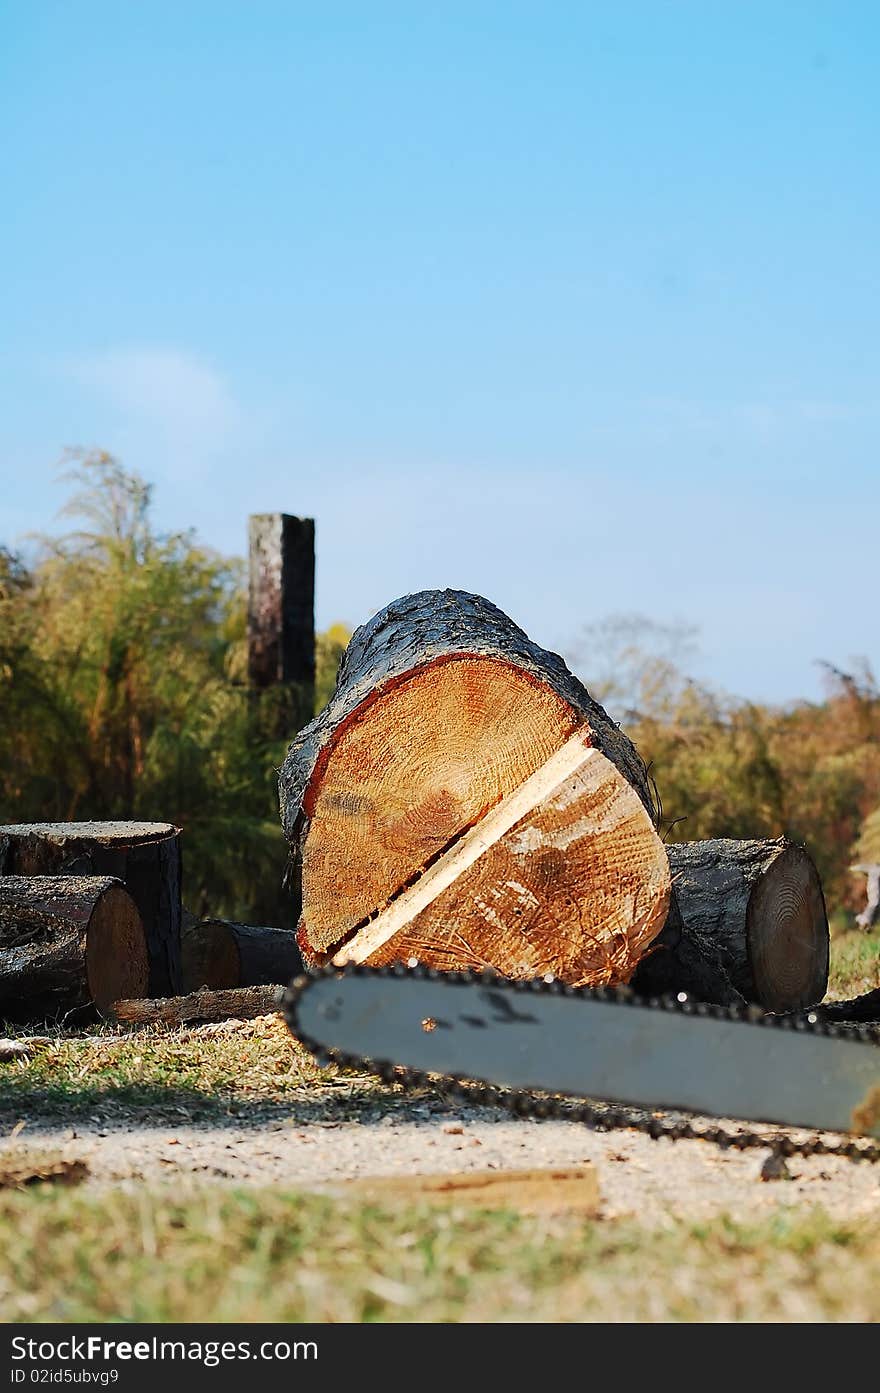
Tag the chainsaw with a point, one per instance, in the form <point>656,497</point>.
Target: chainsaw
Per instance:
<point>605,1057</point>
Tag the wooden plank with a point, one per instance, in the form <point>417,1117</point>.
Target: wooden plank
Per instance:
<point>568,1190</point>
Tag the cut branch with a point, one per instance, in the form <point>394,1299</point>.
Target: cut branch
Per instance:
<point>239,1003</point>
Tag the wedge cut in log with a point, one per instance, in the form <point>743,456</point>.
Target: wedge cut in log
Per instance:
<point>531,889</point>
<point>752,926</point>
<point>444,710</point>
<point>67,942</point>
<point>145,856</point>
<point>219,953</point>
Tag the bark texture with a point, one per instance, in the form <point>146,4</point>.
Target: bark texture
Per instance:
<point>219,953</point>
<point>748,922</point>
<point>281,600</point>
<point>145,856</point>
<point>414,632</point>
<point>864,1010</point>
<point>443,709</point>
<point>238,1003</point>
<point>67,942</point>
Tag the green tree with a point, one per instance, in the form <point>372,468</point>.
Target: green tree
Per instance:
<point>123,692</point>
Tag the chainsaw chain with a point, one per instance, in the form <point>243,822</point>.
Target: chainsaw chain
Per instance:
<point>600,1117</point>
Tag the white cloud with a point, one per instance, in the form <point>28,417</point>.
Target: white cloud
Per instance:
<point>167,395</point>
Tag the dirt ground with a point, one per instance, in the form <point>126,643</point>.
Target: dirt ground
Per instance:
<point>637,1176</point>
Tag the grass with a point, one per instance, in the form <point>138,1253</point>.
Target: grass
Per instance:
<point>216,1253</point>
<point>204,1073</point>
<point>855,963</point>
<point>263,1255</point>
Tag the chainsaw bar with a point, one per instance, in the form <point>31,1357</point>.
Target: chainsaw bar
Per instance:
<point>537,1038</point>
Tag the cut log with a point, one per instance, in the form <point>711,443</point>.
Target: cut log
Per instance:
<point>463,800</point>
<point>145,856</point>
<point>66,942</point>
<point>219,953</point>
<point>239,1003</point>
<point>752,926</point>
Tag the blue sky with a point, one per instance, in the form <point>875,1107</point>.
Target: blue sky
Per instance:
<point>574,305</point>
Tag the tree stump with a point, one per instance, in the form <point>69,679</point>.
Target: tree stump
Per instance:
<point>463,800</point>
<point>145,856</point>
<point>219,954</point>
<point>750,924</point>
<point>67,941</point>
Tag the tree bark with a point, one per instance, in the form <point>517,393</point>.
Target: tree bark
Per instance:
<point>238,1003</point>
<point>219,953</point>
<point>748,923</point>
<point>444,714</point>
<point>281,615</point>
<point>66,942</point>
<point>863,1009</point>
<point>145,856</point>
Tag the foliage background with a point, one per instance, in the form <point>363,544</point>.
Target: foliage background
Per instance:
<point>123,694</point>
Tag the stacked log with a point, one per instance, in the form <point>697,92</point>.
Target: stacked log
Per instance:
<point>68,942</point>
<point>145,856</point>
<point>221,954</point>
<point>464,801</point>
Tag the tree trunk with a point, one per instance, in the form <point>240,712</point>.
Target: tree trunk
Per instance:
<point>281,617</point>
<point>218,954</point>
<point>238,1003</point>
<point>145,856</point>
<point>752,926</point>
<point>464,801</point>
<point>65,942</point>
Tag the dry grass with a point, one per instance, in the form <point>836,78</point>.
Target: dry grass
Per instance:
<point>269,1256</point>
<point>855,964</point>
<point>99,1253</point>
<point>204,1073</point>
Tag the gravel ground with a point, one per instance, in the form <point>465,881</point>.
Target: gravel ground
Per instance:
<point>637,1176</point>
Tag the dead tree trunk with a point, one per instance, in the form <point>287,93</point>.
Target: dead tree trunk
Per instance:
<point>281,613</point>
<point>66,941</point>
<point>464,801</point>
<point>145,856</point>
<point>752,926</point>
<point>220,954</point>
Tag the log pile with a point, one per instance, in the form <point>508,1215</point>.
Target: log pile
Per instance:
<point>464,802</point>
<point>91,916</point>
<point>145,856</point>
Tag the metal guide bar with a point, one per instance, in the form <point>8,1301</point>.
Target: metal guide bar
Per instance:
<point>536,1037</point>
